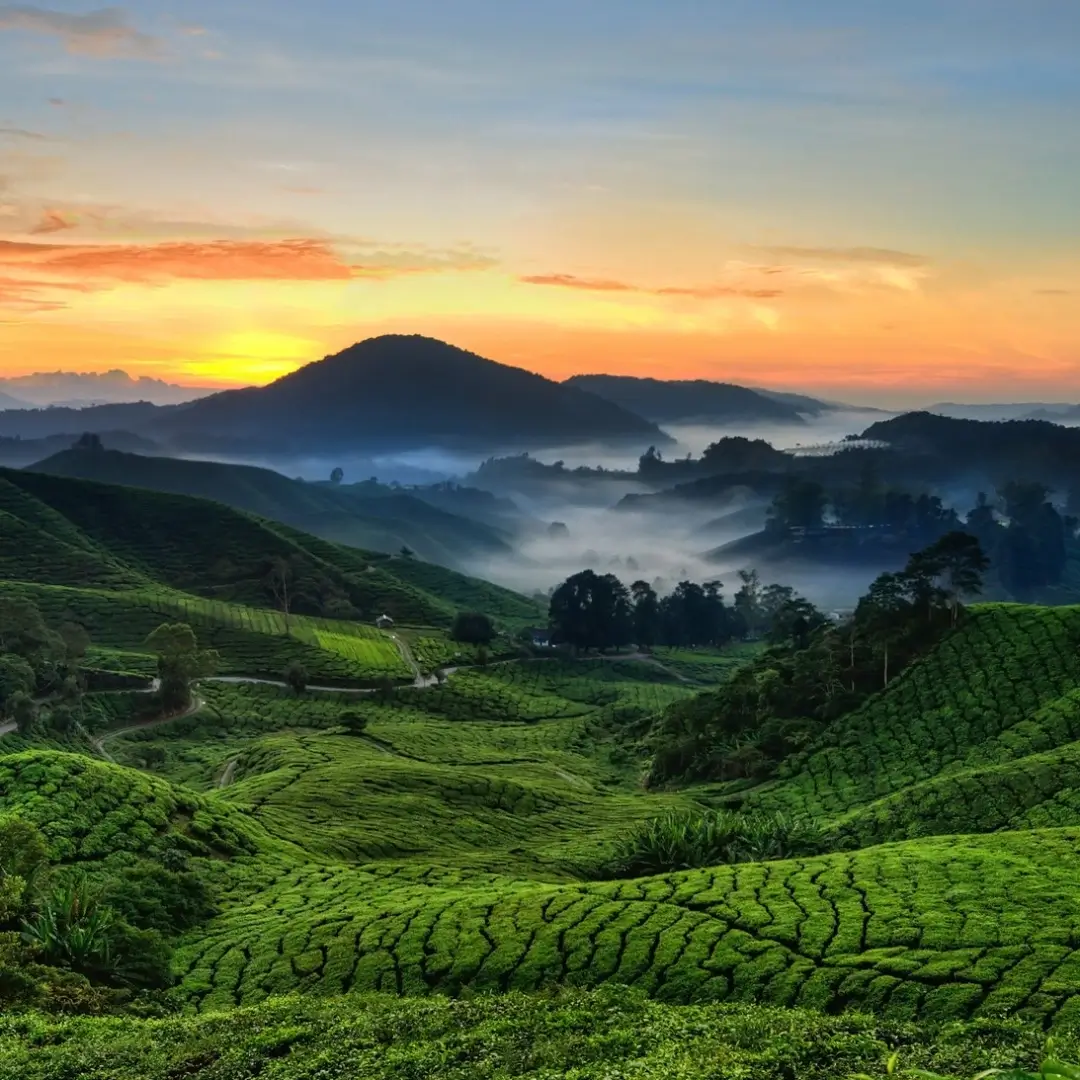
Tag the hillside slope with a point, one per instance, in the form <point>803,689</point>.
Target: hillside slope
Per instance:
<point>382,520</point>
<point>63,531</point>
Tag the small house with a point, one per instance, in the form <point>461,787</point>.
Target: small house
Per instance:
<point>541,639</point>
<point>384,622</point>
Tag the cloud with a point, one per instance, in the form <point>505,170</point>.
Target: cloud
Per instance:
<point>698,292</point>
<point>1053,292</point>
<point>886,256</point>
<point>104,33</point>
<point>22,133</point>
<point>34,268</point>
<point>53,221</point>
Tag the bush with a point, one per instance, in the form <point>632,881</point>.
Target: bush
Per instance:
<point>473,628</point>
<point>296,675</point>
<point>354,723</point>
<point>687,840</point>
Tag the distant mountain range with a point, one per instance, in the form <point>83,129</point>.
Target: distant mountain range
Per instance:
<point>668,401</point>
<point>365,515</point>
<point>81,390</point>
<point>1016,410</point>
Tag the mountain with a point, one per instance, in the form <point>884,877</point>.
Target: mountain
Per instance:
<point>405,392</point>
<point>360,515</point>
<point>81,389</point>
<point>9,402</point>
<point>811,406</point>
<point>686,400</point>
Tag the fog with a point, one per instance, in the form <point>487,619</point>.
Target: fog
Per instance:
<point>662,546</point>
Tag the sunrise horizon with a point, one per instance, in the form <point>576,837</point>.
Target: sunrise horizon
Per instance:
<point>824,201</point>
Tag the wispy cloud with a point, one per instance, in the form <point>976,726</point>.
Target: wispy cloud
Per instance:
<point>23,133</point>
<point>697,292</point>
<point>53,221</point>
<point>35,268</point>
<point>1053,292</point>
<point>882,256</point>
<point>104,33</point>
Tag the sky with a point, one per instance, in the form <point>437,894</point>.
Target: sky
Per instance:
<point>867,200</point>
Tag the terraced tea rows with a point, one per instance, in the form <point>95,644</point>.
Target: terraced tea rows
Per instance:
<point>941,930</point>
<point>251,641</point>
<point>997,691</point>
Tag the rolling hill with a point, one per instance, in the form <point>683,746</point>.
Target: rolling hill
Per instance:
<point>67,532</point>
<point>667,401</point>
<point>359,515</point>
<point>433,886</point>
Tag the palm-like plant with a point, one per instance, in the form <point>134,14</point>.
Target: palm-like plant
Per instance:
<point>72,927</point>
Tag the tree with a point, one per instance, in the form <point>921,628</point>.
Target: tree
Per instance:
<point>23,710</point>
<point>279,580</point>
<point>180,662</point>
<point>16,677</point>
<point>591,611</point>
<point>406,552</point>
<point>646,614</point>
<point>296,675</point>
<point>76,641</point>
<point>884,611</point>
<point>473,628</point>
<point>801,505</point>
<point>961,563</point>
<point>748,604</point>
<point>337,475</point>
<point>354,723</point>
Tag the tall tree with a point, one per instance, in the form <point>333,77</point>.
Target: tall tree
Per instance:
<point>961,564</point>
<point>591,611</point>
<point>180,662</point>
<point>646,614</point>
<point>884,612</point>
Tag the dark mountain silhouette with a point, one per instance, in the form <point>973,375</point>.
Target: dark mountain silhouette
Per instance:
<point>669,401</point>
<point>17,453</point>
<point>361,515</point>
<point>403,391</point>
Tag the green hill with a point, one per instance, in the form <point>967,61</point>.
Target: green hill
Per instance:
<point>62,531</point>
<point>359,515</point>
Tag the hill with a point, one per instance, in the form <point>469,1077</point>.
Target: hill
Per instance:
<point>668,401</point>
<point>17,453</point>
<point>359,515</point>
<point>403,391</point>
<point>7,401</point>
<point>28,423</point>
<point>69,532</point>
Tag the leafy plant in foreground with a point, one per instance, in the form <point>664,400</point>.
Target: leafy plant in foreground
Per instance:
<point>687,840</point>
<point>72,928</point>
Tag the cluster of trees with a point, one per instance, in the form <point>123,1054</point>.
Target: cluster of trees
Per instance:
<point>774,706</point>
<point>38,664</point>
<point>1023,534</point>
<point>597,611</point>
<point>732,454</point>
<point>180,663</point>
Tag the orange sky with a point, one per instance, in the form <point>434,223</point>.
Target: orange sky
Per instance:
<point>892,238</point>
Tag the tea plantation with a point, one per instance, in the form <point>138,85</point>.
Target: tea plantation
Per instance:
<point>415,880</point>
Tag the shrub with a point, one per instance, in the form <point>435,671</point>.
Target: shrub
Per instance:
<point>473,628</point>
<point>686,840</point>
<point>354,723</point>
<point>296,675</point>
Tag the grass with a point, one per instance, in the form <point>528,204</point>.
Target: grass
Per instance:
<point>574,1034</point>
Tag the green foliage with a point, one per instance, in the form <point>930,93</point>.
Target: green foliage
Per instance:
<point>473,628</point>
<point>72,928</point>
<point>180,662</point>
<point>576,1034</point>
<point>296,676</point>
<point>688,839</point>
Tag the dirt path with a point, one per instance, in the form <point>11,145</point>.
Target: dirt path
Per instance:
<point>99,743</point>
<point>227,774</point>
